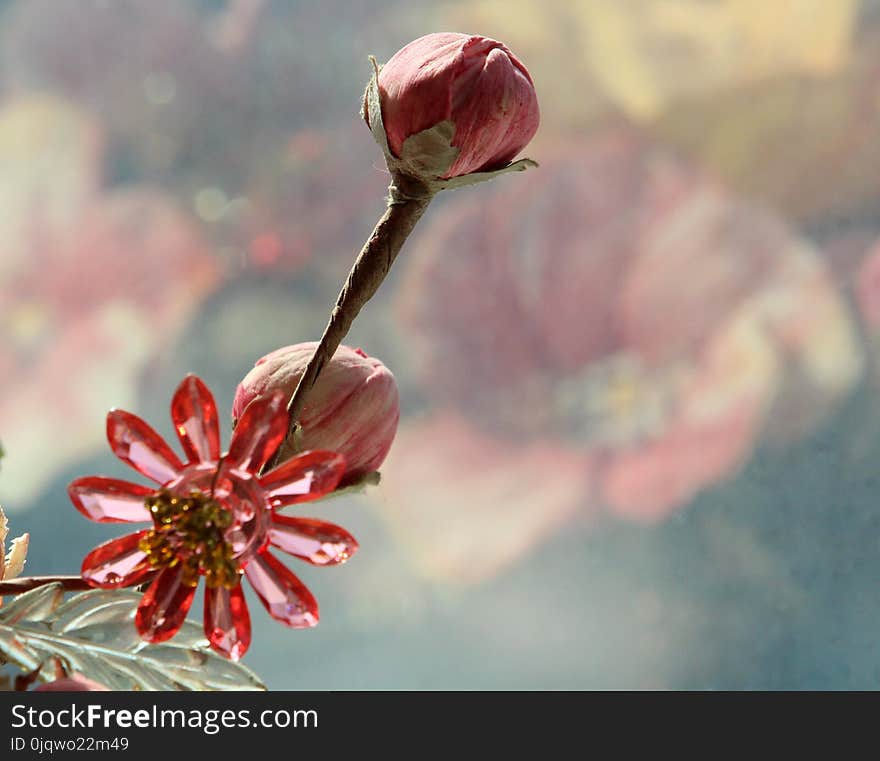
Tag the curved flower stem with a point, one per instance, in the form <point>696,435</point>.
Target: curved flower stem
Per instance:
<point>408,199</point>
<point>26,583</point>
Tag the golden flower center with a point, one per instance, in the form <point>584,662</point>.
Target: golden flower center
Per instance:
<point>190,531</point>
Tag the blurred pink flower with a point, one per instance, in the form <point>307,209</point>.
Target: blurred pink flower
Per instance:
<point>316,202</point>
<point>92,284</point>
<point>148,70</point>
<point>483,500</point>
<point>474,82</point>
<point>206,93</point>
<point>200,99</point>
<point>868,289</point>
<point>353,408</point>
<point>625,309</point>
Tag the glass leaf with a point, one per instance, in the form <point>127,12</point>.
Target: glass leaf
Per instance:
<point>36,605</point>
<point>93,633</point>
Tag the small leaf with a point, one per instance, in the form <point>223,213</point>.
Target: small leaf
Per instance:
<point>476,177</point>
<point>4,530</point>
<point>372,109</point>
<point>93,633</point>
<point>16,557</point>
<point>355,487</point>
<point>430,152</point>
<point>36,605</point>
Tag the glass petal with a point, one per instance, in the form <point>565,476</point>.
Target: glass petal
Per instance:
<point>227,621</point>
<point>194,414</point>
<point>108,500</point>
<point>284,596</point>
<point>314,541</point>
<point>164,605</point>
<point>304,478</point>
<point>135,443</point>
<point>260,431</point>
<point>117,563</point>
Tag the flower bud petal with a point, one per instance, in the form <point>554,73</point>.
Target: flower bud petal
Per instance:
<point>353,408</point>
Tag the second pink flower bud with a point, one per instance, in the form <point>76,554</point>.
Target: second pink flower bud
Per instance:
<point>353,408</point>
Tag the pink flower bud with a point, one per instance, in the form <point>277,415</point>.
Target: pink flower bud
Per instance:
<point>474,82</point>
<point>353,408</point>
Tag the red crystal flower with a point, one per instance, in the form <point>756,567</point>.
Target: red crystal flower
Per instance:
<point>213,516</point>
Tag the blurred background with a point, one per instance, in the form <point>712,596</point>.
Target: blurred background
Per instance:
<point>640,441</point>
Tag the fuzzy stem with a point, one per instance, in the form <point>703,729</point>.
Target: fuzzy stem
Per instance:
<point>408,199</point>
<point>26,583</point>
